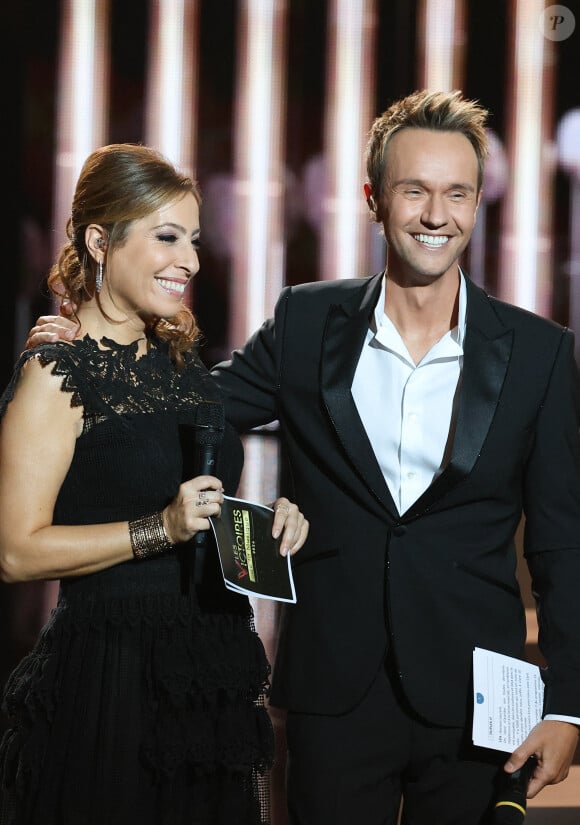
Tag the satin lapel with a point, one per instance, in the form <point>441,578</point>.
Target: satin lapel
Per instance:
<point>487,350</point>
<point>344,335</point>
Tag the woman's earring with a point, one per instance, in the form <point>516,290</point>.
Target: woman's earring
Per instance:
<point>99,278</point>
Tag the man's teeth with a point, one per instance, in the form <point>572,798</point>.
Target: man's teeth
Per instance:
<point>171,286</point>
<point>432,240</point>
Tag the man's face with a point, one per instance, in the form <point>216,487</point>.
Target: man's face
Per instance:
<point>429,203</point>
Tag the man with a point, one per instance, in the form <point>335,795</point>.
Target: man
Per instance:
<point>420,418</point>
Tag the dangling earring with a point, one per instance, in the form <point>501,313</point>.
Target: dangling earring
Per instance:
<point>99,278</point>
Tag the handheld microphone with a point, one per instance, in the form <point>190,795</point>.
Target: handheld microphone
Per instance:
<point>209,433</point>
<point>511,800</point>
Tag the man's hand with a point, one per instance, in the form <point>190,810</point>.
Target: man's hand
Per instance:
<point>52,328</point>
<point>554,744</point>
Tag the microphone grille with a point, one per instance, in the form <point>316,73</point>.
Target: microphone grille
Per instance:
<point>209,423</point>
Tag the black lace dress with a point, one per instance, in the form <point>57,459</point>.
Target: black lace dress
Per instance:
<point>143,699</point>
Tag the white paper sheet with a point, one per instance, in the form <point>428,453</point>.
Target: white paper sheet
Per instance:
<point>508,696</point>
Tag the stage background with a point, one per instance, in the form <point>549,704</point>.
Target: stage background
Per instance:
<point>287,79</point>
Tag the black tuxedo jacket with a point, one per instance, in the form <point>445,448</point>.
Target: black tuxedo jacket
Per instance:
<point>439,579</point>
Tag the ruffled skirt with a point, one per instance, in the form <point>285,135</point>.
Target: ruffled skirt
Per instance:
<point>141,709</point>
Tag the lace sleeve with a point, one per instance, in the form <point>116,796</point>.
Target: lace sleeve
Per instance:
<point>60,355</point>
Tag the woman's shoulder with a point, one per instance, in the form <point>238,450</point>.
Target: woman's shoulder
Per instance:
<point>28,380</point>
<point>65,352</point>
<point>63,360</point>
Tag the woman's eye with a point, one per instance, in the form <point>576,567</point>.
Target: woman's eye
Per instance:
<point>168,238</point>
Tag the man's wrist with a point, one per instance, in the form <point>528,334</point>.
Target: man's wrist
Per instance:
<point>556,717</point>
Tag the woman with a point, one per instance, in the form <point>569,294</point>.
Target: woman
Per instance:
<point>143,699</point>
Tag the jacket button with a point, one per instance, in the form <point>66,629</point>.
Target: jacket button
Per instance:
<point>399,530</point>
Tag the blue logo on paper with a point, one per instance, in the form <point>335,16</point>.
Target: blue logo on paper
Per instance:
<point>479,698</point>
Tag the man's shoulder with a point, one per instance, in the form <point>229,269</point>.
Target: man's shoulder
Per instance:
<point>333,291</point>
<point>512,315</point>
<point>521,316</point>
<point>340,284</point>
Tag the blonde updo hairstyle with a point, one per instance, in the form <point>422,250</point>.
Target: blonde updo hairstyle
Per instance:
<point>119,184</point>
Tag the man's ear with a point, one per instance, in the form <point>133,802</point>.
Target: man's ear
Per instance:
<point>372,204</point>
<point>478,201</point>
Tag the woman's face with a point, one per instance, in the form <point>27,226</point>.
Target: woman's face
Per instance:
<point>148,275</point>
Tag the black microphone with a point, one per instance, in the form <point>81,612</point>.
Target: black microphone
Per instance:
<point>511,800</point>
<point>209,433</point>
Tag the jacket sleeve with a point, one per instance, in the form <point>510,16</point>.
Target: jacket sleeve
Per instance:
<point>552,532</point>
<point>251,378</point>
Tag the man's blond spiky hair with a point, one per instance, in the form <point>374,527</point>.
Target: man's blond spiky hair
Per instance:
<point>440,111</point>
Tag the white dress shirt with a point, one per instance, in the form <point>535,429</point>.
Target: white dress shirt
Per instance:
<point>411,438</point>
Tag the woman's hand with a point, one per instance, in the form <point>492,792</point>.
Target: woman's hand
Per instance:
<point>189,512</point>
<point>288,518</point>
